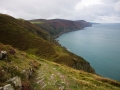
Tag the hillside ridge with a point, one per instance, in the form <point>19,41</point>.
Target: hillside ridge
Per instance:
<point>30,61</point>
<point>32,39</point>
<point>57,27</point>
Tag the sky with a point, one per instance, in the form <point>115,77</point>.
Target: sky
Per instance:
<point>106,11</point>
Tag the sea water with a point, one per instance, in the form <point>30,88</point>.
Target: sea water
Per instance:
<point>99,45</point>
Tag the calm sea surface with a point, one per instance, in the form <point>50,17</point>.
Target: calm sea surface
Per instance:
<point>99,45</point>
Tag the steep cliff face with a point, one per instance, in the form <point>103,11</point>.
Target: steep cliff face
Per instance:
<point>34,40</point>
<point>56,27</point>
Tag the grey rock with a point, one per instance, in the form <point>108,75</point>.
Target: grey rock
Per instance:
<point>1,88</point>
<point>8,87</point>
<point>3,55</point>
<point>16,81</point>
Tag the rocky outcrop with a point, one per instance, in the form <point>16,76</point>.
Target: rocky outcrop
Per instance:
<point>16,82</point>
<point>3,54</point>
<point>8,87</point>
<point>13,84</point>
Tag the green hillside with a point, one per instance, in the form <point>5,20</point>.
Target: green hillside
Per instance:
<point>34,40</point>
<point>56,27</point>
<point>16,63</point>
<point>34,62</point>
<point>47,75</point>
<point>52,76</point>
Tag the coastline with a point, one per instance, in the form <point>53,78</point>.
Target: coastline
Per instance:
<point>57,36</point>
<point>98,52</point>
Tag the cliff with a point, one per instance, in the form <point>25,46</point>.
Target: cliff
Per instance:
<point>30,61</point>
<point>34,40</point>
<point>56,27</point>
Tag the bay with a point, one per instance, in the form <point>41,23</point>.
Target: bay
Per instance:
<point>99,45</point>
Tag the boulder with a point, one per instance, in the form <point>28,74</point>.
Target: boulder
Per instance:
<point>3,55</point>
<point>16,81</point>
<point>8,87</point>
<point>1,88</point>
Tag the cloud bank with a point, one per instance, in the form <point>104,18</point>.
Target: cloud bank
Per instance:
<point>89,10</point>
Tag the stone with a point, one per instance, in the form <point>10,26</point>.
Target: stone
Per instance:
<point>16,81</point>
<point>1,88</point>
<point>23,71</point>
<point>8,87</point>
<point>3,55</point>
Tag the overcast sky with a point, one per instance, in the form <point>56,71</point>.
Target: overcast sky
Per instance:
<point>89,10</point>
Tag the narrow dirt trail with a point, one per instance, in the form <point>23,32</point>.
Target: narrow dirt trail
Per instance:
<point>50,78</point>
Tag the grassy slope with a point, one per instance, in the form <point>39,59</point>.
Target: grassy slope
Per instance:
<point>28,37</point>
<point>49,75</point>
<point>15,33</point>
<point>52,76</point>
<point>15,64</point>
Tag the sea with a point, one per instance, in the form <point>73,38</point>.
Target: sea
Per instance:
<point>99,45</point>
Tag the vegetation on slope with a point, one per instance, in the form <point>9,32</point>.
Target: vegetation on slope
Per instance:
<point>18,63</point>
<point>52,76</point>
<point>28,37</point>
<point>56,27</point>
<point>49,75</point>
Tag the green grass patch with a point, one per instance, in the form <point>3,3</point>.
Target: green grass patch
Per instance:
<point>37,22</point>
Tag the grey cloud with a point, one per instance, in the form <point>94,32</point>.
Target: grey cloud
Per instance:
<point>109,1</point>
<point>65,9</point>
<point>44,8</point>
<point>103,12</point>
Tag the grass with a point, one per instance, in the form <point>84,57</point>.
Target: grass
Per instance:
<point>27,37</point>
<point>15,64</point>
<point>50,75</point>
<point>58,76</point>
<point>37,22</point>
